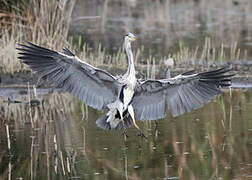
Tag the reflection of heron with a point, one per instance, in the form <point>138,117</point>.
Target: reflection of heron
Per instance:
<point>123,95</point>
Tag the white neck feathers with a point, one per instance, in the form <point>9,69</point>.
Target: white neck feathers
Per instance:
<point>129,54</point>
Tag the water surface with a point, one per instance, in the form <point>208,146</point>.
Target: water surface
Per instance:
<point>59,140</point>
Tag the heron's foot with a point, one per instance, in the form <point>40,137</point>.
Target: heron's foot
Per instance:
<point>141,134</point>
<point>125,133</point>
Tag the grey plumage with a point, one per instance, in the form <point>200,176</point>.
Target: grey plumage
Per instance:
<point>101,122</point>
<point>183,93</point>
<point>95,87</point>
<point>124,95</point>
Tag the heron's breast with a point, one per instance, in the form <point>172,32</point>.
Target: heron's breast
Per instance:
<point>128,93</point>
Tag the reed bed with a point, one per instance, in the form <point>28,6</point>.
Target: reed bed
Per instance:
<point>41,22</point>
<point>47,23</point>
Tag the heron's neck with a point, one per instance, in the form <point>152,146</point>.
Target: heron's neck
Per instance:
<point>129,54</point>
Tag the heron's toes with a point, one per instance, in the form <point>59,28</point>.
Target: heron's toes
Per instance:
<point>141,134</point>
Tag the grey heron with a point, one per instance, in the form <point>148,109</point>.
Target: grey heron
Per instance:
<point>125,96</point>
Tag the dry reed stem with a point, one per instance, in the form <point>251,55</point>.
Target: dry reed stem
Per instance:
<point>62,163</point>
<point>8,136</point>
<point>9,170</point>
<point>31,155</point>
<point>68,166</point>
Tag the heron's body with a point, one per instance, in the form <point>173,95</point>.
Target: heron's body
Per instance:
<point>124,97</point>
<point>119,108</point>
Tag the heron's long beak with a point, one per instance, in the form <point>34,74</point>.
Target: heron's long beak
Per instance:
<point>135,38</point>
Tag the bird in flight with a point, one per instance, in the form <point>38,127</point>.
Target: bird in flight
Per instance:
<point>125,97</point>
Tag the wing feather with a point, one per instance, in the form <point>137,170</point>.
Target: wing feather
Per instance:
<point>182,93</point>
<point>95,87</point>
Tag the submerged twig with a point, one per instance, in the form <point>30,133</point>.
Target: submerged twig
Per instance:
<point>32,144</point>
<point>29,100</point>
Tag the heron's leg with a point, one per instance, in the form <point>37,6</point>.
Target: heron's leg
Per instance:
<point>156,124</point>
<point>120,110</point>
<point>123,126</point>
<point>131,112</point>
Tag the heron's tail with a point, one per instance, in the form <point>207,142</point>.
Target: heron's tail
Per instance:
<point>110,121</point>
<point>101,122</point>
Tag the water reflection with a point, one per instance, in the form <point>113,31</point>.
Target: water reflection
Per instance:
<point>212,142</point>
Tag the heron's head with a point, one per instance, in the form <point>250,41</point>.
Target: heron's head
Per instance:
<point>130,37</point>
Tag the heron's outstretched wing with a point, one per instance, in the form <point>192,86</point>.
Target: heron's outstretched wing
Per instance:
<point>93,86</point>
<point>183,93</point>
